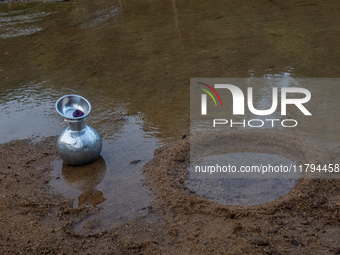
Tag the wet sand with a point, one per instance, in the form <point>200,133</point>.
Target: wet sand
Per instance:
<point>35,220</point>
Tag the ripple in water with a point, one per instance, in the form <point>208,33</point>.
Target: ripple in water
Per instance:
<point>97,19</point>
<point>13,24</point>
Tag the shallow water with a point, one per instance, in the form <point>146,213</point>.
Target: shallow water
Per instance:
<point>133,61</point>
<point>19,23</point>
<point>229,186</point>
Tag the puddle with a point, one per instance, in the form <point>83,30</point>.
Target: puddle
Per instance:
<point>114,182</point>
<point>243,192</point>
<point>250,188</point>
<point>249,167</point>
<point>110,183</point>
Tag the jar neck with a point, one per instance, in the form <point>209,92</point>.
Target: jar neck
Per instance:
<point>77,125</point>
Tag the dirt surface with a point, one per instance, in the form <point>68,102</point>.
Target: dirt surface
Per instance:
<point>35,221</point>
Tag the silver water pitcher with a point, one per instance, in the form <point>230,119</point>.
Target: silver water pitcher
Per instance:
<point>78,144</point>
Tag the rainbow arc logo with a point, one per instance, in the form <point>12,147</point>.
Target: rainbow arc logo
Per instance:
<point>204,97</point>
<point>208,92</point>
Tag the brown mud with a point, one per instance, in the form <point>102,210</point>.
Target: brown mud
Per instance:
<point>35,221</point>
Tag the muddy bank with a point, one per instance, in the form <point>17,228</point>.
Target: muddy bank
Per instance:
<point>34,220</point>
<point>302,222</point>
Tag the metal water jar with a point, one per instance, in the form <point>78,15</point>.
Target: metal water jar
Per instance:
<point>78,144</point>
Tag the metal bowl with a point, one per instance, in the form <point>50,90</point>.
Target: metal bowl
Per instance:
<point>66,106</point>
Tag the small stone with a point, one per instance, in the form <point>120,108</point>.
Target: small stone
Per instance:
<point>280,223</point>
<point>273,230</point>
<point>183,137</point>
<point>294,241</point>
<point>77,113</point>
<point>273,253</point>
<point>289,206</point>
<point>259,240</point>
<point>134,162</point>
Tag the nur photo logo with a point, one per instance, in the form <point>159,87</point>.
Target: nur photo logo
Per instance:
<point>280,96</point>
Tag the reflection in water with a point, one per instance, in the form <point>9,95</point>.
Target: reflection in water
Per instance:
<point>13,32</point>
<point>98,18</point>
<point>121,195</point>
<point>86,178</point>
<point>13,25</point>
<point>91,196</point>
<point>177,30</point>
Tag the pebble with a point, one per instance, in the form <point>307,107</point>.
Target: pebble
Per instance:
<point>281,223</point>
<point>289,206</point>
<point>134,162</point>
<point>259,240</point>
<point>294,241</point>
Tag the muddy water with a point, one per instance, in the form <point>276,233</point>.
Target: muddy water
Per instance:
<point>133,60</point>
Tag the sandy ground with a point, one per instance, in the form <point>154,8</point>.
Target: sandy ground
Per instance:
<point>33,220</point>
